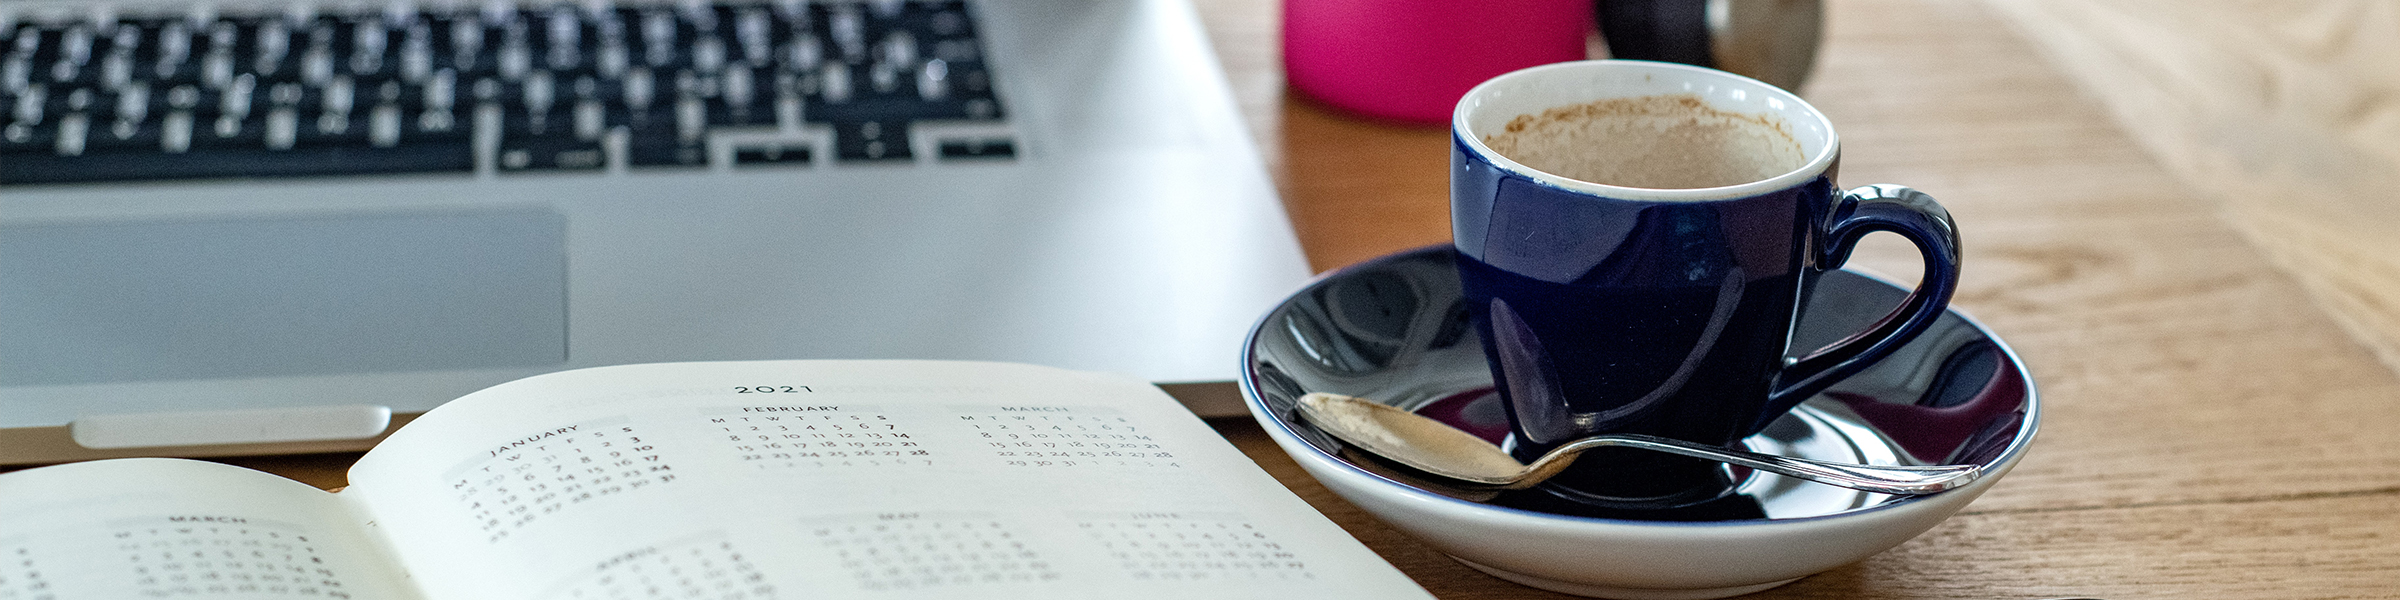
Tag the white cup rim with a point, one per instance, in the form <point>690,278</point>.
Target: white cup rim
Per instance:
<point>1820,144</point>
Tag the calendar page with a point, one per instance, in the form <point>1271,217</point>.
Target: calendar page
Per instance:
<point>162,528</point>
<point>844,479</point>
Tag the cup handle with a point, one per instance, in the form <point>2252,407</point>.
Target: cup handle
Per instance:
<point>1880,207</point>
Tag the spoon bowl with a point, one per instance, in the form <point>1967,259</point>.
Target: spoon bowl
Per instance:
<point>1394,329</point>
<point>1439,449</point>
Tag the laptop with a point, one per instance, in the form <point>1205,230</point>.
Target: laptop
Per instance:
<point>269,227</point>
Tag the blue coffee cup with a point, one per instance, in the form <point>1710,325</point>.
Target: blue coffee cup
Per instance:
<point>1617,309</point>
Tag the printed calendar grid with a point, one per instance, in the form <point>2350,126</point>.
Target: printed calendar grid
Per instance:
<point>21,575</point>
<point>905,551</point>
<point>1171,546</point>
<point>1066,438</point>
<point>820,437</point>
<point>548,472</point>
<point>701,568</point>
<point>180,556</point>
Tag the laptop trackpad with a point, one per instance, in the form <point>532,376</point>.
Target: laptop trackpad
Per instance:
<point>281,297</point>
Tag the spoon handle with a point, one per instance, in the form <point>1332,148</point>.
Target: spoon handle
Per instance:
<point>1886,479</point>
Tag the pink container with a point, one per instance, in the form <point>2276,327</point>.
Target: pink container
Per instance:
<point>1411,60</point>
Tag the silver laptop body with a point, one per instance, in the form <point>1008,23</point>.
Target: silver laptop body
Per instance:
<point>1105,211</point>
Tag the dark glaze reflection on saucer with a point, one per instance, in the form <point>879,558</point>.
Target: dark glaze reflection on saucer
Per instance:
<point>1395,330</point>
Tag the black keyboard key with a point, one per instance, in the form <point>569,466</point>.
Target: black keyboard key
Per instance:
<point>772,155</point>
<point>962,93</point>
<point>19,138</point>
<point>320,129</point>
<point>753,34</point>
<point>652,141</point>
<point>431,124</point>
<point>721,114</point>
<point>725,21</point>
<point>657,39</point>
<point>742,100</point>
<point>846,27</point>
<point>550,153</point>
<point>224,163</point>
<point>461,44</point>
<point>45,42</point>
<point>351,84</point>
<point>656,153</point>
<point>119,135</point>
<point>549,140</point>
<point>871,141</point>
<point>978,149</point>
<point>274,49</point>
<point>220,130</point>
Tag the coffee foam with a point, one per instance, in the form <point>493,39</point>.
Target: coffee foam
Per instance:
<point>1672,141</point>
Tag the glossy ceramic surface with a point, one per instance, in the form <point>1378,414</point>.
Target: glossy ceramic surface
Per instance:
<point>1665,312</point>
<point>1395,330</point>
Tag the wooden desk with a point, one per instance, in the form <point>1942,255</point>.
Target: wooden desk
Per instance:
<point>2209,433</point>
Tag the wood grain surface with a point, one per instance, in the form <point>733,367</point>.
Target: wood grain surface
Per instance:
<point>2287,114</point>
<point>2210,432</point>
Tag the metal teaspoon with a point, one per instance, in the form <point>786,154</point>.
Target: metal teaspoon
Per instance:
<point>1439,449</point>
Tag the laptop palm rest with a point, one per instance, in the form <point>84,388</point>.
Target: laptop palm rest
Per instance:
<point>270,297</point>
<point>215,428</point>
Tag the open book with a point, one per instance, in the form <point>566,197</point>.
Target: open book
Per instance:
<point>721,481</point>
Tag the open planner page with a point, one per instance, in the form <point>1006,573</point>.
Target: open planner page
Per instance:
<point>834,479</point>
<point>167,528</point>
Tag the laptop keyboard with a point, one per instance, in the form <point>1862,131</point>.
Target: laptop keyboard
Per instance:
<point>501,87</point>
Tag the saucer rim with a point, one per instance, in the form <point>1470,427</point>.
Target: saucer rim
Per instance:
<point>1993,470</point>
